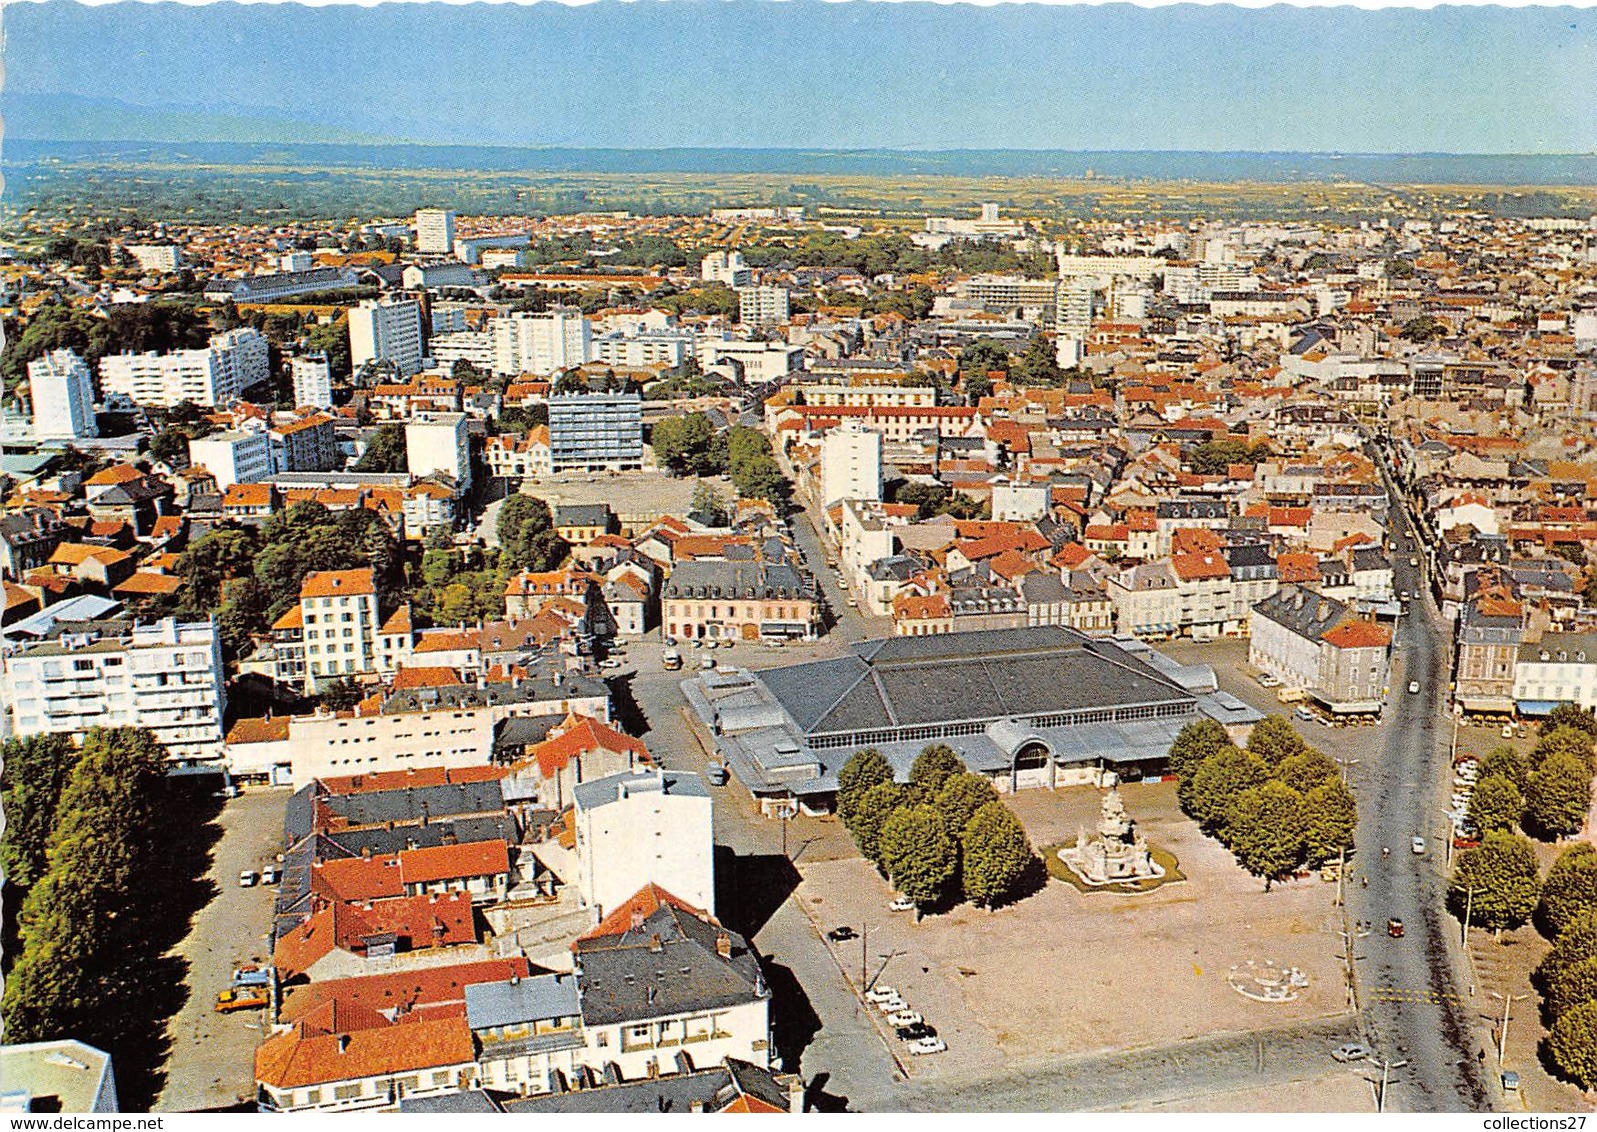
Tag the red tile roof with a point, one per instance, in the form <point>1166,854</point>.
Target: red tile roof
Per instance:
<point>338,583</point>
<point>578,735</point>
<point>307,1056</point>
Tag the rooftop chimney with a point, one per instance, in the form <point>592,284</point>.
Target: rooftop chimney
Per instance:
<point>723,945</point>
<point>343,1042</point>
<point>656,944</point>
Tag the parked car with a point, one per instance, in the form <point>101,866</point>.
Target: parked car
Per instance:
<point>1268,681</point>
<point>715,774</point>
<point>905,1018</point>
<point>247,998</point>
<point>250,975</point>
<point>1304,714</point>
<point>671,660</point>
<point>892,1006</point>
<point>271,874</point>
<point>1413,686</point>
<point>842,934</point>
<point>1510,1081</point>
<point>1351,1051</point>
<point>609,662</point>
<point>881,992</point>
<point>707,663</point>
<point>249,878</point>
<point>1394,928</point>
<point>914,1033</point>
<point>1508,731</point>
<point>902,904</point>
<point>927,1045</point>
<point>1417,844</point>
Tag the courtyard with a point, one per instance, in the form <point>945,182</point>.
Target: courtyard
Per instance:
<point>1062,973</point>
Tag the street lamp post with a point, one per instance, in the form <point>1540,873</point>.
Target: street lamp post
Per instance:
<point>1469,907</point>
<point>1502,1034</point>
<point>1386,1068</point>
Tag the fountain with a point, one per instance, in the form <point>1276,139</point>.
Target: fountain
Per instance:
<point>1116,854</point>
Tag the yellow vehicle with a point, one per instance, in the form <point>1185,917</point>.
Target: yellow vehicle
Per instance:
<point>241,998</point>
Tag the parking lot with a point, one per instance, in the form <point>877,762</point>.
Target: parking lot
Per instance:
<point>1062,973</point>
<point>213,1055</point>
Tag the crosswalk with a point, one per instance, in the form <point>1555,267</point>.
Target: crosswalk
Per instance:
<point>1403,995</point>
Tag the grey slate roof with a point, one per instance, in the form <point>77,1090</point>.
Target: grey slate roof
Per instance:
<point>708,579</point>
<point>601,791</point>
<point>666,966</point>
<point>520,1001</point>
<point>1303,612</point>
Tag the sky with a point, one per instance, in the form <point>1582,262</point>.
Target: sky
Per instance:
<point>806,74</point>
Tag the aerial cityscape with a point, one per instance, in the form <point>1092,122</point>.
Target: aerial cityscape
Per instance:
<point>527,614</point>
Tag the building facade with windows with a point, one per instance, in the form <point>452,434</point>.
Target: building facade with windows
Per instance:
<point>165,676</point>
<point>596,432</point>
<point>62,391</point>
<point>212,376</point>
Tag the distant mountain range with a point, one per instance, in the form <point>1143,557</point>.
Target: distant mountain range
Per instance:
<point>862,77</point>
<point>165,145</point>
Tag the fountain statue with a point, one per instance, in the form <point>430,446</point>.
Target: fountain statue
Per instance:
<point>1116,854</point>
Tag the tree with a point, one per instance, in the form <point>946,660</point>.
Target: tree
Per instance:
<point>1196,742</point>
<point>959,799</point>
<point>995,855</point>
<point>521,520</point>
<point>1306,770</point>
<point>34,772</point>
<point>933,767</point>
<point>1265,829</point>
<point>1215,457</point>
<point>1218,782</point>
<point>865,768</point>
<point>1558,795</point>
<point>681,443</point>
<point>1274,740</point>
<point>1570,741</point>
<point>869,815</point>
<point>1330,817</point>
<point>1570,890</point>
<point>1573,1044</point>
<point>1571,986</point>
<point>1504,762</point>
<point>1037,365</point>
<point>1573,715</point>
<point>708,501</point>
<point>385,452</point>
<point>918,853</point>
<point>1576,943</point>
<point>1495,805</point>
<point>1501,871</point>
<point>83,923</point>
<point>170,446</point>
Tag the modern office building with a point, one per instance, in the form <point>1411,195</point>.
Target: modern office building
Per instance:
<point>212,376</point>
<point>386,330</point>
<point>166,676</point>
<point>435,231</point>
<point>596,432</point>
<point>540,344</point>
<point>851,463</point>
<point>437,442</point>
<point>726,268</point>
<point>762,306</point>
<point>160,258</point>
<point>313,381</point>
<point>62,390</point>
<point>1001,294</point>
<point>233,457</point>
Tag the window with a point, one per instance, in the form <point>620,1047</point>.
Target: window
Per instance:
<point>347,1092</point>
<point>313,1096</point>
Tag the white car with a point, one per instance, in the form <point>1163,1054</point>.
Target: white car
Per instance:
<point>905,1018</point>
<point>1268,681</point>
<point>881,992</point>
<point>928,1045</point>
<point>249,878</point>
<point>891,1006</point>
<point>902,904</point>
<point>1413,686</point>
<point>609,662</point>
<point>1417,844</point>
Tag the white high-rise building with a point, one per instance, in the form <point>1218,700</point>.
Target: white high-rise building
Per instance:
<point>541,344</point>
<point>162,258</point>
<point>851,464</point>
<point>386,330</point>
<point>725,267</point>
<point>62,389</point>
<point>437,442</point>
<point>216,375</point>
<point>166,676</point>
<point>313,381</point>
<point>233,457</point>
<point>435,231</point>
<point>762,306</point>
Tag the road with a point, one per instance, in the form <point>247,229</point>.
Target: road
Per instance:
<point>1409,988</point>
<point>1141,1079</point>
